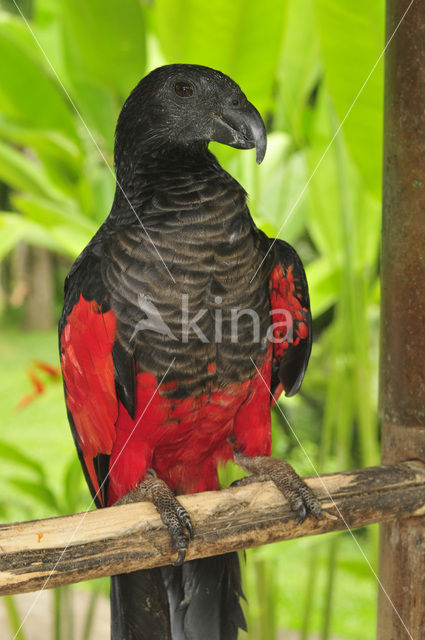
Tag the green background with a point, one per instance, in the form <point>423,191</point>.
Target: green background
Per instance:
<point>303,63</point>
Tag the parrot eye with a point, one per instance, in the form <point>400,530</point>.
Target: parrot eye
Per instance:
<point>183,89</point>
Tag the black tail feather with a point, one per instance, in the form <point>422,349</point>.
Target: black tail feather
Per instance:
<point>197,601</point>
<point>139,607</point>
<point>204,598</point>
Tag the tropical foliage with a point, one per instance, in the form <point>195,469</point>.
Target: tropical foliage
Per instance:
<point>64,77</point>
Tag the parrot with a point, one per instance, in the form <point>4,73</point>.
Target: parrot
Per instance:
<point>182,324</point>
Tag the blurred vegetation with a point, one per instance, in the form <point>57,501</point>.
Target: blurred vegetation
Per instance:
<point>302,64</point>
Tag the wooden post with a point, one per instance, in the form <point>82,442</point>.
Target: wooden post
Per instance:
<point>401,610</point>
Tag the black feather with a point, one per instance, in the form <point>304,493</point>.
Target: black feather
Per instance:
<point>139,607</point>
<point>101,467</point>
<point>204,598</point>
<point>125,377</point>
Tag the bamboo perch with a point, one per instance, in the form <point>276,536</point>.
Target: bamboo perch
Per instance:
<point>68,549</point>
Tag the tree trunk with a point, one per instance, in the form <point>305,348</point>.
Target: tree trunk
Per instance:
<point>39,302</point>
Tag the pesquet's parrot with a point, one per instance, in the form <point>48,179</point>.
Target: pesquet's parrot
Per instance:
<point>182,324</point>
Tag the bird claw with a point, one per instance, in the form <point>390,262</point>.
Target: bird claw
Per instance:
<point>302,512</point>
<point>173,514</point>
<point>299,495</point>
<point>177,526</point>
<point>185,520</point>
<point>175,517</point>
<point>301,499</point>
<point>180,558</point>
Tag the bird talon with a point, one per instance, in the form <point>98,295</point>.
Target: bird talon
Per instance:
<point>302,511</point>
<point>185,520</point>
<point>180,558</point>
<point>301,498</point>
<point>189,528</point>
<point>317,512</point>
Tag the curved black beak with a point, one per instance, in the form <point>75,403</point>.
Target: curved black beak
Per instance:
<point>242,128</point>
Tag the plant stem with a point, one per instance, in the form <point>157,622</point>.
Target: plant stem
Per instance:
<point>332,566</point>
<point>13,617</point>
<point>57,613</point>
<point>310,592</point>
<point>67,612</point>
<point>266,600</point>
<point>89,617</point>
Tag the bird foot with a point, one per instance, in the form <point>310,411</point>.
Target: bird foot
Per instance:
<point>173,514</point>
<point>300,497</point>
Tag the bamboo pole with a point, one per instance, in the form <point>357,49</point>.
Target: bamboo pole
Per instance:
<point>401,612</point>
<point>58,551</point>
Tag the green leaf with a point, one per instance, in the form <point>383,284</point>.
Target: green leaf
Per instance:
<point>280,192</point>
<point>323,283</point>
<point>352,39</point>
<point>41,492</point>
<point>12,231</point>
<point>344,219</point>
<point>46,141</point>
<point>13,454</point>
<point>14,228</point>
<point>72,483</point>
<point>325,220</point>
<point>21,172</point>
<point>274,187</point>
<point>99,109</point>
<point>68,229</point>
<point>61,157</point>
<point>240,38</point>
<point>46,25</point>
<point>299,69</point>
<point>27,92</point>
<point>104,43</point>
<point>50,214</point>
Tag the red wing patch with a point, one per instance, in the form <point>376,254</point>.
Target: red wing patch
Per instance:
<point>289,318</point>
<point>88,372</point>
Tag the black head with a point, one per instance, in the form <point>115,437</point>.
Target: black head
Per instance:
<point>187,106</point>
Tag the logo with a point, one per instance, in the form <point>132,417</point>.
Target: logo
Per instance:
<point>280,329</point>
